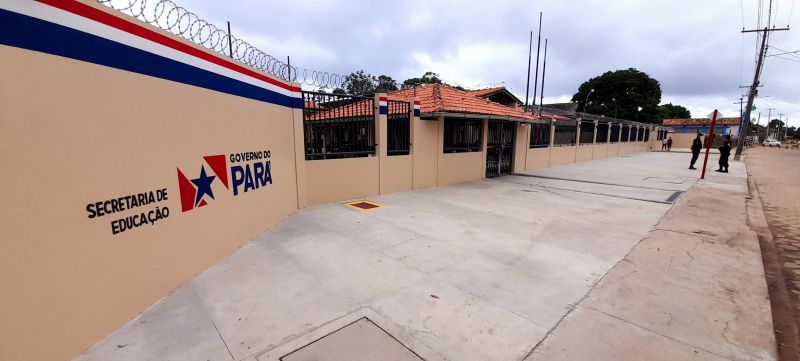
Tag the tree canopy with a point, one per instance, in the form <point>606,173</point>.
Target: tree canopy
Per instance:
<point>626,94</point>
<point>670,111</point>
<point>776,123</point>
<point>428,78</point>
<point>362,83</point>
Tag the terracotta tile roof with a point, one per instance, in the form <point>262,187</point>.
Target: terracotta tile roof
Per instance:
<point>487,91</point>
<point>445,99</point>
<point>309,104</point>
<point>360,108</point>
<point>699,121</point>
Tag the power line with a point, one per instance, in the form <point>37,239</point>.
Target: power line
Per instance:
<point>756,78</point>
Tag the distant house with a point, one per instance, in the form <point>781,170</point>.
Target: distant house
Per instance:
<point>499,95</point>
<point>724,126</point>
<point>491,103</point>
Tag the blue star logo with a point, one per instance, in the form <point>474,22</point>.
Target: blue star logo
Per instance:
<point>203,184</point>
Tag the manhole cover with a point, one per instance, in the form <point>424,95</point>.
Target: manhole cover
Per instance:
<point>674,197</point>
<point>364,205</point>
<point>361,340</point>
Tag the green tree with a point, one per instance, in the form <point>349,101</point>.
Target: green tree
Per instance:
<point>363,83</point>
<point>428,78</point>
<point>360,83</point>
<point>386,84</point>
<point>670,111</point>
<point>776,123</point>
<point>626,94</point>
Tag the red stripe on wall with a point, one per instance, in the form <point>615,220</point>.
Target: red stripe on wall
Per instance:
<point>100,16</point>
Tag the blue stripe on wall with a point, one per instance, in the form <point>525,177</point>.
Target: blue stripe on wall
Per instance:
<point>383,109</point>
<point>30,33</point>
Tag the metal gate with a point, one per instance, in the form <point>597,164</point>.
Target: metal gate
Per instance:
<point>499,148</point>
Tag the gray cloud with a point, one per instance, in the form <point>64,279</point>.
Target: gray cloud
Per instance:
<point>695,49</point>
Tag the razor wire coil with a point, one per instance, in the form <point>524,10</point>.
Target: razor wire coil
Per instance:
<point>171,17</point>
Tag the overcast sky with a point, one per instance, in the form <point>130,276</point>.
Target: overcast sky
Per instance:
<point>695,49</point>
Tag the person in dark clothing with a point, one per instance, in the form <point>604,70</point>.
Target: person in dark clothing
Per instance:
<point>724,153</point>
<point>669,144</point>
<point>697,144</point>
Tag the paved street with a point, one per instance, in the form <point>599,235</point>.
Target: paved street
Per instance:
<point>776,173</point>
<point>585,261</point>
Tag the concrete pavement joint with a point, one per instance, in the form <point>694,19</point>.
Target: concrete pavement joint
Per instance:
<point>593,182</point>
<point>608,195</point>
<point>658,334</point>
<point>538,185</point>
<point>576,304</point>
<point>223,340</point>
<point>495,304</point>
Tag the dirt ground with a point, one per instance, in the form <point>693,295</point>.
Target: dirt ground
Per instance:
<point>775,174</point>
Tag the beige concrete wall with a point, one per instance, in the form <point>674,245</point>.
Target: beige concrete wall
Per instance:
<point>425,151</point>
<point>600,151</point>
<point>74,133</point>
<point>612,150</point>
<point>538,158</point>
<point>334,180</point>
<point>460,167</point>
<point>396,174</point>
<point>563,155</point>
<point>395,171</point>
<point>584,152</point>
<point>521,141</point>
<point>682,140</point>
<point>624,148</point>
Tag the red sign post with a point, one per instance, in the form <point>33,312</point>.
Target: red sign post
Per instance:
<point>709,141</point>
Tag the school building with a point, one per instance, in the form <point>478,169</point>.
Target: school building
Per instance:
<point>137,159</point>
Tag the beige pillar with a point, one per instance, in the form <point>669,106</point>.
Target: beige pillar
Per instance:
<point>521,134</point>
<point>300,157</point>
<point>594,139</point>
<point>550,146</point>
<point>484,140</point>
<point>577,139</point>
<point>380,136</point>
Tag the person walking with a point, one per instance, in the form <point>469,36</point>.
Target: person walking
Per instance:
<point>663,145</point>
<point>724,154</point>
<point>669,144</point>
<point>697,144</point>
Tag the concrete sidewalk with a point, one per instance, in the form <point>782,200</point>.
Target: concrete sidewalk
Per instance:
<point>694,288</point>
<point>570,262</point>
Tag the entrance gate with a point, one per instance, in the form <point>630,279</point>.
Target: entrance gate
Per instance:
<point>499,148</point>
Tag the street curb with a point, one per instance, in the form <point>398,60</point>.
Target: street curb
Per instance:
<point>785,329</point>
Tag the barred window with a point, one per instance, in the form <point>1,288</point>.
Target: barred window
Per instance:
<point>565,132</point>
<point>602,133</point>
<point>626,133</point>
<point>462,135</point>
<point>615,129</point>
<point>540,135</point>
<point>398,128</point>
<point>647,135</point>
<point>587,132</point>
<point>640,137</point>
<point>338,126</point>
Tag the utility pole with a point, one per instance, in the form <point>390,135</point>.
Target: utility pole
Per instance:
<point>528,79</point>
<point>756,78</point>
<point>538,47</point>
<point>544,67</point>
<point>769,115</point>
<point>742,135</point>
